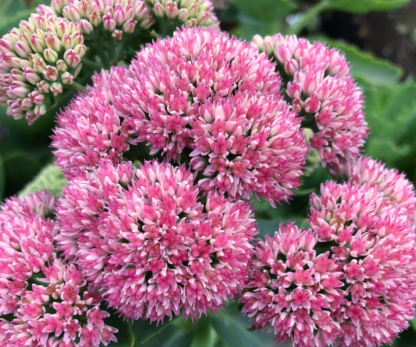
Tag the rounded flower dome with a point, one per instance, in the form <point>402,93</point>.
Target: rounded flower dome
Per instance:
<point>322,91</point>
<point>143,237</point>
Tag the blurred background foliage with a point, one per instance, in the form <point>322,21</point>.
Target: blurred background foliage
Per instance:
<point>379,40</point>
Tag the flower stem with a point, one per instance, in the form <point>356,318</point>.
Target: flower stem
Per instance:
<point>77,86</point>
<point>91,64</point>
<point>309,16</point>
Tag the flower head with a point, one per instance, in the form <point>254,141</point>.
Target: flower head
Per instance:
<point>190,12</point>
<point>59,311</point>
<point>91,128</point>
<point>117,17</point>
<point>394,185</point>
<point>39,203</point>
<point>373,242</point>
<point>323,92</point>
<point>143,237</point>
<point>293,290</point>
<point>38,59</point>
<point>216,99</point>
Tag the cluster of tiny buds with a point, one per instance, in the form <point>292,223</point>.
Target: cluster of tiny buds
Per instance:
<point>115,16</point>
<point>191,12</point>
<point>37,59</point>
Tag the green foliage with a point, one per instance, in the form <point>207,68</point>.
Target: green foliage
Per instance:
<point>367,68</point>
<point>363,6</point>
<point>261,17</point>
<point>11,13</point>
<point>50,178</point>
<point>391,114</point>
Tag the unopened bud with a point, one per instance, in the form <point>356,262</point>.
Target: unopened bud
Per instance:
<point>71,58</point>
<point>50,55</point>
<point>51,73</point>
<point>67,78</point>
<point>129,26</point>
<point>117,35</point>
<point>36,98</point>
<point>109,23</point>
<point>86,27</point>
<point>61,66</point>
<point>159,10</point>
<point>56,88</point>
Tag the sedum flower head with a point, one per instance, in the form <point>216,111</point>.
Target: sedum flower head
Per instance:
<point>292,290</point>
<point>39,203</point>
<point>190,12</point>
<point>373,242</point>
<point>58,311</point>
<point>37,60</point>
<point>394,185</point>
<point>91,128</point>
<point>204,95</point>
<point>323,93</point>
<point>113,16</point>
<point>143,237</point>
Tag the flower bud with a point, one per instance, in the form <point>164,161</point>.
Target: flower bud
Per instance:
<point>51,73</point>
<point>183,15</point>
<point>36,98</point>
<point>71,12</point>
<point>80,50</point>
<point>86,27</point>
<point>31,76</point>
<point>159,10</point>
<point>61,66</point>
<point>22,49</point>
<point>117,35</point>
<point>43,87</point>
<point>119,15</point>
<point>129,26</point>
<point>67,78</point>
<point>109,23</point>
<point>56,88</point>
<point>95,19</point>
<point>71,58</point>
<point>172,9</point>
<point>50,55</point>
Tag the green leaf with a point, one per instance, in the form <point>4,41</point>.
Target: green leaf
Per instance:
<point>232,327</point>
<point>143,330</point>
<point>261,16</point>
<point>50,178</point>
<point>265,10</point>
<point>413,324</point>
<point>390,113</point>
<point>19,168</point>
<point>125,337</point>
<point>367,68</point>
<point>363,6</point>
<point>11,13</point>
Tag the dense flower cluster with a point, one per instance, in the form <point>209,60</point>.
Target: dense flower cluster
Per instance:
<point>90,128</point>
<point>198,94</point>
<point>190,12</point>
<point>59,311</point>
<point>323,92</point>
<point>293,290</point>
<point>36,61</point>
<point>394,185</point>
<point>143,237</point>
<point>48,300</point>
<point>114,16</point>
<point>370,260</point>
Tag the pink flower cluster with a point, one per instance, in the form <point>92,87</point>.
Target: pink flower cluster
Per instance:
<point>293,290</point>
<point>144,239</point>
<point>57,310</point>
<point>198,94</point>
<point>37,60</point>
<point>360,292</point>
<point>394,185</point>
<point>90,128</point>
<point>323,92</point>
<point>114,16</point>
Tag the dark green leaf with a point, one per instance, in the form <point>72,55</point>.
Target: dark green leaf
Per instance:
<point>363,6</point>
<point>125,337</point>
<point>11,13</point>
<point>232,327</point>
<point>143,330</point>
<point>265,10</point>
<point>19,168</point>
<point>366,67</point>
